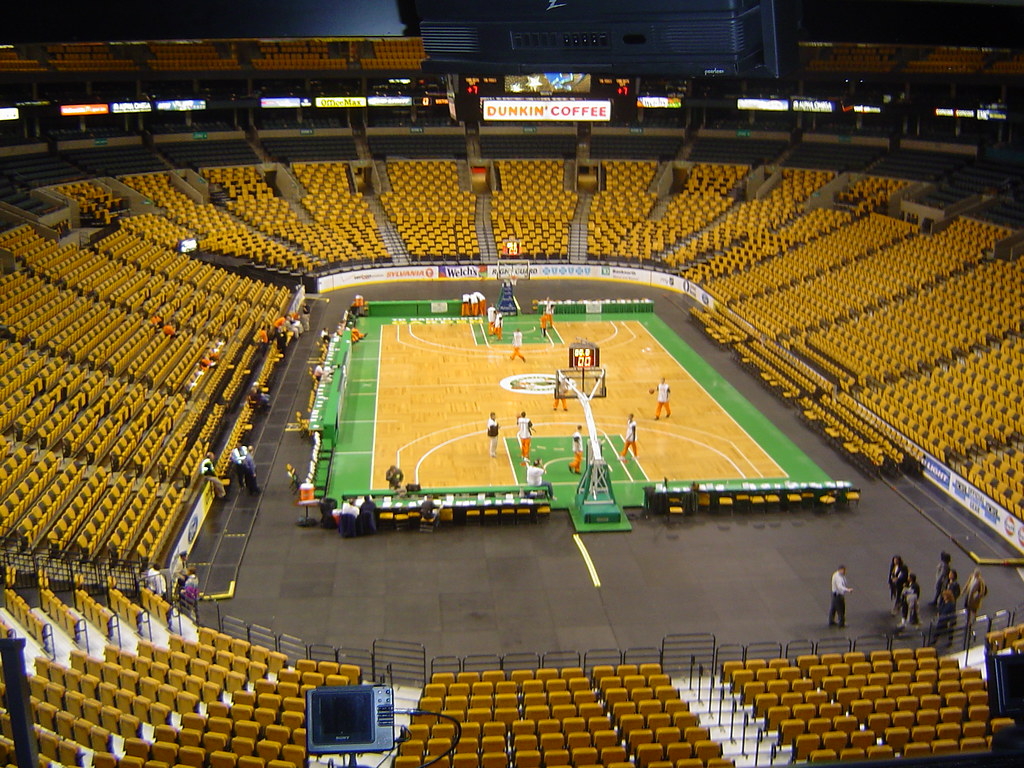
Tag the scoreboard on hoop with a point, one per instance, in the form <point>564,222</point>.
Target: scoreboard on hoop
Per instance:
<point>584,355</point>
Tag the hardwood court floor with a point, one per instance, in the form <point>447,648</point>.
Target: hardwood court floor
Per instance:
<point>439,381</point>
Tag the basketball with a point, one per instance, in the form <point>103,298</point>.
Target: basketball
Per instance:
<point>650,391</point>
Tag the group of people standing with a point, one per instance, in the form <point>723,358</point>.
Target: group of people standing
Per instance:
<point>524,434</point>
<point>495,323</point>
<point>243,464</point>
<point>905,593</point>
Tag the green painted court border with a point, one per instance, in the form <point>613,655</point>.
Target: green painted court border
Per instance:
<point>358,428</point>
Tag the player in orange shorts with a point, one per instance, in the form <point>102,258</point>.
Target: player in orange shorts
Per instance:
<point>517,346</point>
<point>524,431</point>
<point>629,438</point>
<point>547,317</point>
<point>663,391</point>
<point>577,451</point>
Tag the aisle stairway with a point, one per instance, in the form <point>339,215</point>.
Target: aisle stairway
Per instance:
<point>388,232</point>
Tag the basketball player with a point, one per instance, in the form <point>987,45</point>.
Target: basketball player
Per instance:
<point>663,404</point>
<point>630,438</point>
<point>524,433</point>
<point>491,312</point>
<point>559,399</point>
<point>577,451</point>
<point>517,346</point>
<point>547,317</point>
<point>499,323</point>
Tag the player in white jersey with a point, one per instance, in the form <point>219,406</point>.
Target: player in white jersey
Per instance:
<point>577,451</point>
<point>663,391</point>
<point>524,431</point>
<point>629,438</point>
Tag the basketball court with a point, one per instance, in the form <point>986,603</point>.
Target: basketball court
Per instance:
<point>420,391</point>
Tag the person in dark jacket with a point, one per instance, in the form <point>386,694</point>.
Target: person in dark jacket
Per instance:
<point>897,581</point>
<point>953,584</point>
<point>941,574</point>
<point>367,523</point>
<point>947,617</point>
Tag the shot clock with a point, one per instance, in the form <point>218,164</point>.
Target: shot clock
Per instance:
<point>584,355</point>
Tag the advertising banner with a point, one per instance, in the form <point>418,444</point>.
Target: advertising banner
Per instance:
<point>981,507</point>
<point>546,110</point>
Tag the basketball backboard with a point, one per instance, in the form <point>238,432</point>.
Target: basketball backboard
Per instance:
<point>588,381</point>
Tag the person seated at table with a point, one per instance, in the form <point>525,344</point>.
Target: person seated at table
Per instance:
<point>535,478</point>
<point>428,513</point>
<point>366,525</point>
<point>347,519</point>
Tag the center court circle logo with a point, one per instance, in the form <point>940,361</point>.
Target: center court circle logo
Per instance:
<point>530,384</point>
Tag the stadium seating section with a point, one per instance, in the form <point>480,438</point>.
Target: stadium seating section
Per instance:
<point>788,273</point>
<point>200,697</point>
<point>533,206</point>
<point>434,216</point>
<point>106,448</point>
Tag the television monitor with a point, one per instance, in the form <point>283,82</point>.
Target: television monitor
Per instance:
<point>1006,685</point>
<point>346,719</point>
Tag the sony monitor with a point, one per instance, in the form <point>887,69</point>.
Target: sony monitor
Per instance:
<point>345,719</point>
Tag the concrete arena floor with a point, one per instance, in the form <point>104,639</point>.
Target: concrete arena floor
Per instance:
<point>511,589</point>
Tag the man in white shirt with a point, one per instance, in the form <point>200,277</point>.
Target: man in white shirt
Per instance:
<point>663,404</point>
<point>347,519</point>
<point>245,468</point>
<point>517,346</point>
<point>840,588</point>
<point>155,581</point>
<point>629,438</point>
<point>479,303</point>
<point>524,431</point>
<point>535,478</point>
<point>547,317</point>
<point>577,451</point>
<point>492,311</point>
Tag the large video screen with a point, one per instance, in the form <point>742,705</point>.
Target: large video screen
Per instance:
<point>548,82</point>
